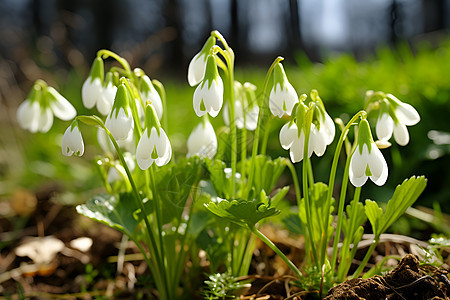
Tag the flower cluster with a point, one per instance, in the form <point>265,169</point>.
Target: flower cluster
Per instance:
<point>393,117</point>
<point>310,121</point>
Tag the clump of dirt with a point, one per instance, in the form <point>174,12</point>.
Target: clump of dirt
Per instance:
<point>407,281</point>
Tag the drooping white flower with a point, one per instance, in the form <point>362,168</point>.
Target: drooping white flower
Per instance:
<point>149,93</point>
<point>36,112</point>
<point>292,140</point>
<point>283,96</point>
<point>197,66</point>
<point>367,161</point>
<point>323,131</point>
<point>72,142</point>
<point>120,121</point>
<point>92,89</point>
<point>208,96</point>
<point>154,145</point>
<point>202,141</point>
<point>394,116</point>
<point>105,143</point>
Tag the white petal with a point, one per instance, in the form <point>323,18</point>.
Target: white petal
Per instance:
<point>199,95</point>
<point>91,92</point>
<point>276,101</point>
<point>358,165</point>
<point>291,98</point>
<point>251,119</point>
<point>401,134</point>
<point>384,127</point>
<point>163,149</point>
<point>378,166</point>
<point>202,141</point>
<point>214,98</point>
<point>61,107</point>
<point>297,148</point>
<point>318,140</point>
<point>287,135</point>
<point>27,113</point>
<point>407,114</point>
<point>109,93</point>
<point>104,141</point>
<point>328,126</point>
<point>196,69</point>
<point>45,120</point>
<point>144,151</point>
<point>103,105</point>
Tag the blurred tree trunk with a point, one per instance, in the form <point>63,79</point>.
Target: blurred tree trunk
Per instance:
<point>295,38</point>
<point>172,15</point>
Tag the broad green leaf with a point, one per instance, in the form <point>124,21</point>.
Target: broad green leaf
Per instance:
<point>375,216</point>
<point>404,196</point>
<point>360,218</point>
<point>240,211</point>
<point>112,211</point>
<point>174,184</point>
<point>267,172</point>
<point>293,223</point>
<point>278,196</point>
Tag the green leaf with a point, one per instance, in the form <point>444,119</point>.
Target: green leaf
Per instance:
<point>118,213</point>
<point>360,218</point>
<point>317,197</point>
<point>404,196</point>
<point>375,215</point>
<point>91,120</point>
<point>240,211</point>
<point>267,172</point>
<point>174,184</point>
<point>222,184</point>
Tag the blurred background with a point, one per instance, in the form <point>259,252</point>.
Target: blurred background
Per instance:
<point>342,48</point>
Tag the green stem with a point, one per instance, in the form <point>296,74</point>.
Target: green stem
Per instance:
<point>107,53</point>
<point>331,184</point>
<point>277,251</point>
<point>158,216</point>
<point>291,167</point>
<point>366,257</point>
<point>345,259</point>
<point>233,127</point>
<point>340,213</point>
<point>243,156</point>
<point>162,93</point>
<point>266,135</point>
<point>258,127</point>
<point>306,193</point>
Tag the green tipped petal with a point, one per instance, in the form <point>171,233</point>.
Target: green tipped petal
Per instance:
<point>97,69</point>
<point>122,100</point>
<point>365,135</point>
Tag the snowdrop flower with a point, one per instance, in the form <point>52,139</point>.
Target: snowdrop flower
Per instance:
<point>149,93</point>
<point>202,141</point>
<point>154,145</point>
<point>208,96</point>
<point>394,116</point>
<point>36,112</point>
<point>72,142</point>
<point>197,66</point>
<point>120,121</point>
<point>293,139</point>
<point>367,160</point>
<point>245,110</point>
<point>282,96</point>
<point>92,89</point>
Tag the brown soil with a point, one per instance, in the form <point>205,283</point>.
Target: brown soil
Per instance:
<point>407,281</point>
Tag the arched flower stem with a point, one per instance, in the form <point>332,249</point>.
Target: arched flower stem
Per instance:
<point>107,53</point>
<point>337,152</point>
<point>258,127</point>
